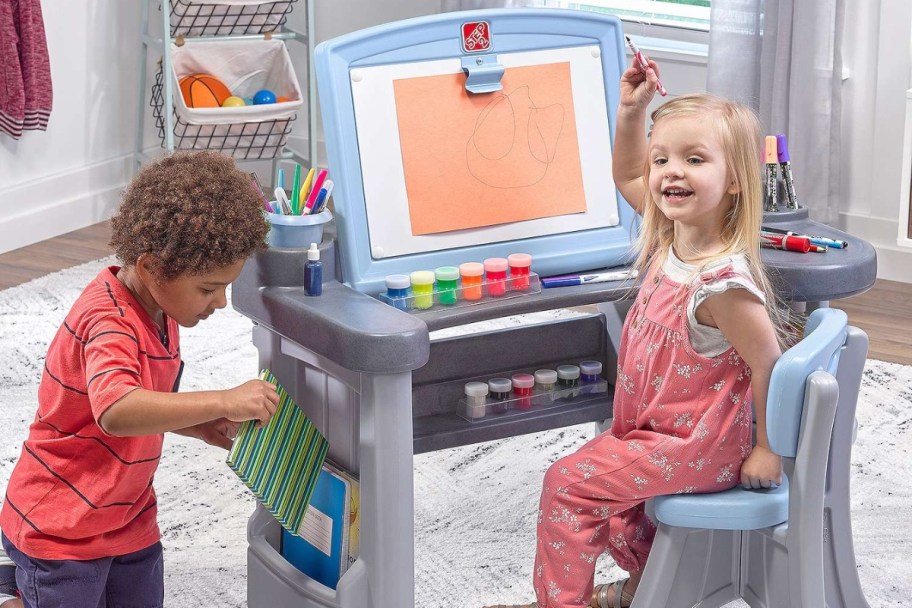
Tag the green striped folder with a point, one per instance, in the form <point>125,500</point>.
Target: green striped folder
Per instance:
<point>280,462</point>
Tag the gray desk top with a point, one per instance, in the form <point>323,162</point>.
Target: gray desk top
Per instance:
<point>363,334</point>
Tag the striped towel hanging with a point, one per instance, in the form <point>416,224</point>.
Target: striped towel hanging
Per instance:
<point>280,462</point>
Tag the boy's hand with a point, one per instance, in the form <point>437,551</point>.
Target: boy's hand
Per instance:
<point>761,469</point>
<point>253,400</point>
<point>219,433</point>
<point>639,87</point>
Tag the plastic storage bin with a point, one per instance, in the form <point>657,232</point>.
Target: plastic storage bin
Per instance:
<point>296,231</point>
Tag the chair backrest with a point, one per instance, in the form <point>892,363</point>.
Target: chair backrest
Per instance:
<point>824,338</point>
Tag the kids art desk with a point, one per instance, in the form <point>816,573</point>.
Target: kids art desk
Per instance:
<point>416,114</point>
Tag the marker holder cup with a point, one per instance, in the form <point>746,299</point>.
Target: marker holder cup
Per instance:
<point>440,299</point>
<point>540,400</point>
<point>296,231</point>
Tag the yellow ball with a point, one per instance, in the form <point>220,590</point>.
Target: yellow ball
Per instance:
<point>233,102</point>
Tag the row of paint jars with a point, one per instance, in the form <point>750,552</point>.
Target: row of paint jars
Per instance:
<point>522,391</point>
<point>469,281</point>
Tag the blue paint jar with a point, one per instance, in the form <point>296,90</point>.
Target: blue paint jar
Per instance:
<point>590,372</point>
<point>397,290</point>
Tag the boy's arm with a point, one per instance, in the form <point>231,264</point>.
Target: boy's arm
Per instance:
<point>145,412</point>
<point>743,320</point>
<point>220,433</point>
<point>630,147</point>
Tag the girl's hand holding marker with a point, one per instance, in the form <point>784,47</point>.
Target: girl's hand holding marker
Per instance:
<point>645,64</point>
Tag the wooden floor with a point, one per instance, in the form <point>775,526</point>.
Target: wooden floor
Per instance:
<point>882,312</point>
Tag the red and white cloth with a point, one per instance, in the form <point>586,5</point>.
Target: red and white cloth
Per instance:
<point>25,71</point>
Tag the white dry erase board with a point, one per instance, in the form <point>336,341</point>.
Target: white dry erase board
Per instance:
<point>469,135</point>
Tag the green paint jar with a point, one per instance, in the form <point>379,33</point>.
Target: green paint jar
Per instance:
<point>447,283</point>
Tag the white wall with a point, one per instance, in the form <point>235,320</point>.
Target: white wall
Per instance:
<point>71,176</point>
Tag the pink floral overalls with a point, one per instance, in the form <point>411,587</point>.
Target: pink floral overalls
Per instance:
<point>682,424</point>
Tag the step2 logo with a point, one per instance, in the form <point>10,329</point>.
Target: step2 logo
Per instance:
<point>476,36</point>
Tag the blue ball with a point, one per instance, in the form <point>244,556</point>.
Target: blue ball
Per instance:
<point>264,96</point>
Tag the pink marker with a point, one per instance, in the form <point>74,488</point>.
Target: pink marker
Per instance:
<point>644,63</point>
<point>315,190</point>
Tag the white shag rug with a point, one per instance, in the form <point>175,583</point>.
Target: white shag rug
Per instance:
<point>474,506</point>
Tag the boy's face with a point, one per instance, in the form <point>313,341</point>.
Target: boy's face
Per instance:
<point>189,299</point>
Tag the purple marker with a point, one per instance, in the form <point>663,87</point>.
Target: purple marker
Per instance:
<point>786,166</point>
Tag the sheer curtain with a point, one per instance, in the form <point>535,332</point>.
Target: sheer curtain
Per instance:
<point>784,59</point>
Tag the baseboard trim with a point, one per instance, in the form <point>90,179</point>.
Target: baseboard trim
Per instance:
<point>62,203</point>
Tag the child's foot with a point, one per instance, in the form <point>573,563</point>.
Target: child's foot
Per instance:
<point>618,594</point>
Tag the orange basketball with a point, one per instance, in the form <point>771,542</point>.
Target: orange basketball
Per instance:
<point>203,91</point>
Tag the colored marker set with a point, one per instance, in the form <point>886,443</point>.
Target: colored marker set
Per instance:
<point>469,283</point>
<point>306,198</point>
<point>790,240</point>
<point>524,392</point>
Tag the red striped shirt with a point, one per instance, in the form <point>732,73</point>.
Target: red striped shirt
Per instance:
<point>77,492</point>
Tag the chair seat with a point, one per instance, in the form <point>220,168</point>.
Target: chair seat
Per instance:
<point>734,509</point>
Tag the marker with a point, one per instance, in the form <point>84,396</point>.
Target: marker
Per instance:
<point>824,241</point>
<point>644,63</point>
<point>296,189</point>
<point>584,279</point>
<point>305,189</point>
<point>772,164</point>
<point>772,240</point>
<point>259,189</point>
<point>782,153</point>
<point>280,178</point>
<point>318,183</point>
<point>323,199</point>
<point>282,199</point>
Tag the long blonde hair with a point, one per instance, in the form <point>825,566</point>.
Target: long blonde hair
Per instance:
<point>738,129</point>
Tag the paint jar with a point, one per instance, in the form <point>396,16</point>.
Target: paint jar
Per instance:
<point>422,288</point>
<point>523,385</point>
<point>568,380</point>
<point>476,395</point>
<point>472,274</point>
<point>496,276</point>
<point>500,392</point>
<point>447,282</point>
<point>520,265</point>
<point>590,372</point>
<point>397,290</point>
<point>544,382</point>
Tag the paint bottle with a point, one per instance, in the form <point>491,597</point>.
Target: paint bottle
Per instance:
<point>447,282</point>
<point>397,290</point>
<point>568,380</point>
<point>471,273</point>
<point>476,395</point>
<point>544,382</point>
<point>590,375</point>
<point>500,392</point>
<point>523,384</point>
<point>520,265</point>
<point>496,276</point>
<point>422,289</point>
<point>313,272</point>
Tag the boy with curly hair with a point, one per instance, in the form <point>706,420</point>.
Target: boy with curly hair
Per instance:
<point>79,519</point>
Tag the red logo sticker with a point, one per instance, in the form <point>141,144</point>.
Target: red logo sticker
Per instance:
<point>476,36</point>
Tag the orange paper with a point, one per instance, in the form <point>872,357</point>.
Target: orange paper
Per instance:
<point>481,160</point>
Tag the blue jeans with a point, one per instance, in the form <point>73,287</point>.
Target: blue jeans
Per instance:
<point>135,580</point>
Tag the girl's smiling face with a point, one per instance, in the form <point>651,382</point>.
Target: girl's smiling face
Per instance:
<point>688,172</point>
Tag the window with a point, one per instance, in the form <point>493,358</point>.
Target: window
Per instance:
<point>688,14</point>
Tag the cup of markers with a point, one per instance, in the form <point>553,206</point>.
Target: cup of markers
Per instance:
<point>296,217</point>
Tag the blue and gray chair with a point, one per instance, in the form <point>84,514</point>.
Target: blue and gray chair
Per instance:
<point>790,546</point>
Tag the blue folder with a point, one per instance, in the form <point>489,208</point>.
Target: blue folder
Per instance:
<point>331,499</point>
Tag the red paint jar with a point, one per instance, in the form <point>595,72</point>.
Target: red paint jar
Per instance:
<point>496,276</point>
<point>523,385</point>
<point>520,266</point>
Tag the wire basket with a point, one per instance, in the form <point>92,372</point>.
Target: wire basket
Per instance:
<point>231,17</point>
<point>241,140</point>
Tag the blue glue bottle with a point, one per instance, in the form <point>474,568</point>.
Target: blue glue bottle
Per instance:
<point>313,272</point>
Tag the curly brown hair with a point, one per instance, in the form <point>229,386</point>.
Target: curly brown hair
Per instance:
<point>194,212</point>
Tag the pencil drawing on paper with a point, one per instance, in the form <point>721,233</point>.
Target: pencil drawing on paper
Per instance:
<point>514,141</point>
